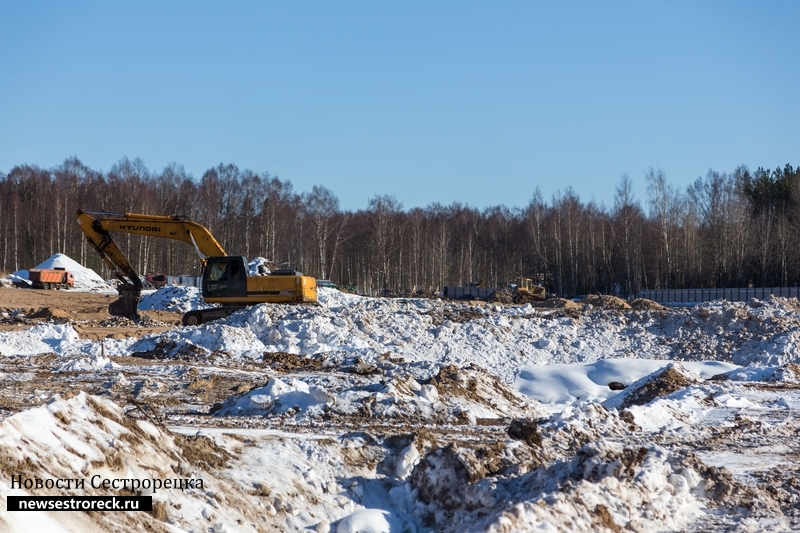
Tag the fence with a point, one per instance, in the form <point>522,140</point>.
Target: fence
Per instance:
<point>469,293</point>
<point>188,281</point>
<point>705,295</point>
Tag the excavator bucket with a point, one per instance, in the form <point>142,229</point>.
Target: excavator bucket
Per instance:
<point>127,304</point>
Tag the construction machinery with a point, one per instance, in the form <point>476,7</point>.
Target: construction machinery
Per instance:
<point>525,290</point>
<point>519,291</point>
<point>55,278</point>
<point>226,280</point>
<point>155,280</point>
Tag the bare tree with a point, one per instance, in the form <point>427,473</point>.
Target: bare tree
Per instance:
<point>322,207</point>
<point>664,211</point>
<point>627,231</point>
<point>535,217</point>
<point>383,210</point>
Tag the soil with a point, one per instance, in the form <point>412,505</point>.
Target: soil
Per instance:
<point>666,382</point>
<point>87,311</point>
<point>606,302</point>
<point>557,303</point>
<point>643,304</point>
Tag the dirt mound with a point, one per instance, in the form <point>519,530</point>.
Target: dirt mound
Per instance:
<point>606,301</point>
<point>287,362</point>
<point>791,304</point>
<point>442,477</point>
<point>503,296</point>
<point>672,378</point>
<point>643,304</point>
<point>458,313</point>
<point>789,373</point>
<point>557,303</point>
<point>480,388</point>
<point>50,313</point>
<point>525,430</point>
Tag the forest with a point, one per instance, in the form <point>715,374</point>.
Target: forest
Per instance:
<point>733,229</point>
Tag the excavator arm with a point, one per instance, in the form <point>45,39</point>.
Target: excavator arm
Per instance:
<point>97,226</point>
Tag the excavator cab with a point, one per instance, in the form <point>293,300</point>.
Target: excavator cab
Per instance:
<point>225,276</point>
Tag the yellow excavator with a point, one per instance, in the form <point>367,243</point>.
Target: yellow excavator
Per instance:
<point>226,279</point>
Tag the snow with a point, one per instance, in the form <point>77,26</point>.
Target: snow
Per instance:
<point>253,266</point>
<point>278,397</point>
<point>371,521</point>
<point>567,383</point>
<point>85,278</point>
<point>44,338</point>
<point>87,364</point>
<point>300,445</point>
<point>176,299</point>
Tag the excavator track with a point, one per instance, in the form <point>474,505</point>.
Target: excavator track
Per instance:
<point>201,316</point>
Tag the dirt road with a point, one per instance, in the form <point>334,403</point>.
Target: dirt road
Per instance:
<point>88,311</point>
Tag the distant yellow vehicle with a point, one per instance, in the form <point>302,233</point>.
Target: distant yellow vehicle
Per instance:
<point>226,280</point>
<point>526,289</point>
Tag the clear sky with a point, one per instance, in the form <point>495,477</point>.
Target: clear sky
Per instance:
<point>429,101</point>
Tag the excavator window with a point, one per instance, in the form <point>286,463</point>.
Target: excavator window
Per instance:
<point>217,271</point>
<point>225,276</point>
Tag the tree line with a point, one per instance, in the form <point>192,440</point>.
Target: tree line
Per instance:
<point>732,229</point>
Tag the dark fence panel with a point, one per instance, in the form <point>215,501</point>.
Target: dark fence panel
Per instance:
<point>469,293</point>
<point>674,296</point>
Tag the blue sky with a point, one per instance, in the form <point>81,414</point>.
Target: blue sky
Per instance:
<point>471,102</point>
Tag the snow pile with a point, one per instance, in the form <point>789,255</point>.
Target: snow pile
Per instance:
<point>453,396</point>
<point>177,299</point>
<point>195,342</point>
<point>745,333</point>
<point>671,378</point>
<point>278,397</point>
<point>258,267</point>
<point>43,338</point>
<point>87,436</point>
<point>20,277</point>
<point>87,364</point>
<point>85,278</point>
<point>788,373</point>
<point>372,521</point>
<point>568,383</point>
<point>336,300</point>
<point>605,487</point>
<point>409,415</point>
<point>421,330</point>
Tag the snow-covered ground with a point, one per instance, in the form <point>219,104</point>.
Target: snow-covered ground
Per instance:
<point>415,415</point>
